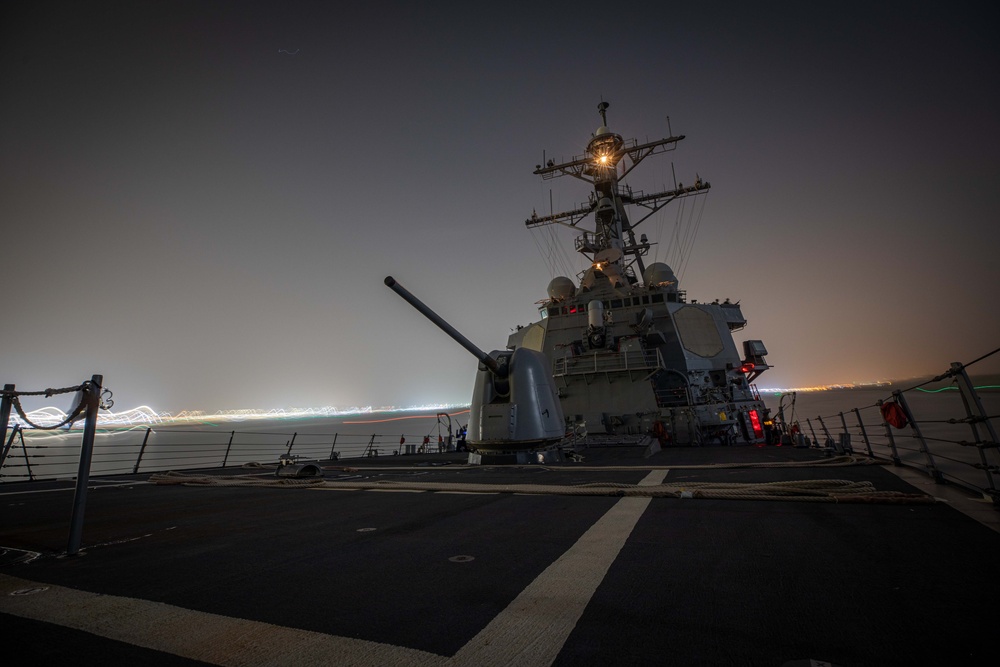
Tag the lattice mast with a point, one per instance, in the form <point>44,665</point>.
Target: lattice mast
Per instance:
<point>606,163</point>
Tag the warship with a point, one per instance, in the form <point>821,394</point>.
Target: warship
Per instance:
<point>629,551</point>
<point>629,353</point>
<point>621,353</point>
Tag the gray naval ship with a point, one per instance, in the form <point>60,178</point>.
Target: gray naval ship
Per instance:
<point>625,554</point>
<point>621,353</point>
<point>629,353</point>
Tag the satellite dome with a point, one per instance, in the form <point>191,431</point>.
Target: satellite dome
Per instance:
<point>659,273</point>
<point>560,288</point>
<point>602,130</point>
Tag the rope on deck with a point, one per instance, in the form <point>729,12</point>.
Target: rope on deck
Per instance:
<point>820,490</point>
<point>832,462</point>
<point>182,479</point>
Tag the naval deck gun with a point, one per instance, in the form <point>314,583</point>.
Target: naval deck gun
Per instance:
<point>515,405</point>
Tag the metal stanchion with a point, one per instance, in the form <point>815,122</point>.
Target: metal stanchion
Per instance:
<point>92,396</point>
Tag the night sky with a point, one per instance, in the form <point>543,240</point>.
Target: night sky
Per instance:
<point>200,200</point>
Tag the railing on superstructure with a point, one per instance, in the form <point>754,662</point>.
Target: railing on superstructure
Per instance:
<point>644,363</point>
<point>607,362</point>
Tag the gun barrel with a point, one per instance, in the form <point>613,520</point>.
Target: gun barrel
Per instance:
<point>484,358</point>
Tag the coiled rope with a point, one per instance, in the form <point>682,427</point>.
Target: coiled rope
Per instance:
<point>73,415</point>
<point>177,478</point>
<point>832,462</point>
<point>103,396</point>
<point>822,490</point>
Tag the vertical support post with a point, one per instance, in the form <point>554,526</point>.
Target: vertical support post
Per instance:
<point>976,413</point>
<point>451,440</point>
<point>291,444</point>
<point>845,436</point>
<point>781,414</point>
<point>368,449</point>
<point>142,450</point>
<point>813,431</point>
<point>5,404</point>
<point>931,468</point>
<point>826,431</point>
<point>92,395</point>
<point>333,448</point>
<point>24,450</point>
<point>225,459</point>
<point>10,441</point>
<point>864,434</point>
<point>888,434</point>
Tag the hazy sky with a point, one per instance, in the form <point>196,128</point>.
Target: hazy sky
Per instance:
<point>200,200</point>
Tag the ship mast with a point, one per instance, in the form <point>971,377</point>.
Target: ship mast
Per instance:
<point>613,241</point>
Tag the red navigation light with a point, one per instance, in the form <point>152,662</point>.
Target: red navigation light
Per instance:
<point>747,368</point>
<point>758,431</point>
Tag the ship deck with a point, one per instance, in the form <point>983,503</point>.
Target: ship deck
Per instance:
<point>433,568</point>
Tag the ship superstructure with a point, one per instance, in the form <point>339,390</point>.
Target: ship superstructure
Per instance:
<point>629,353</point>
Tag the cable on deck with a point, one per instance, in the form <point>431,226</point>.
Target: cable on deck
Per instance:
<point>823,490</point>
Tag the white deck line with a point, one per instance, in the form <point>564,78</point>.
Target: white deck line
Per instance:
<point>533,628</point>
<point>210,638</point>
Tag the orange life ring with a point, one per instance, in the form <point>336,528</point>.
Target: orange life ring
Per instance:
<point>894,414</point>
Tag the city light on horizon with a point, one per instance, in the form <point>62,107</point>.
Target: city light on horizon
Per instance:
<point>147,416</point>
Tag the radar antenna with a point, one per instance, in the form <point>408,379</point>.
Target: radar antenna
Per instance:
<point>604,167</point>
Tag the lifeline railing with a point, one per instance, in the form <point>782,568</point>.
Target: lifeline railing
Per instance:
<point>934,443</point>
<point>50,453</point>
<point>33,456</point>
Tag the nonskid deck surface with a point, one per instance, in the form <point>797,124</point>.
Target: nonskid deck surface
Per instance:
<point>322,575</point>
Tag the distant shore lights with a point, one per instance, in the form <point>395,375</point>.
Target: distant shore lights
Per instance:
<point>147,416</point>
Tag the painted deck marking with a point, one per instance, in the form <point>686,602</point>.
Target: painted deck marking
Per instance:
<point>531,631</point>
<point>197,635</point>
<point>533,628</point>
<point>654,478</point>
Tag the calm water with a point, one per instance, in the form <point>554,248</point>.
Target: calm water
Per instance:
<point>206,444</point>
<point>53,454</point>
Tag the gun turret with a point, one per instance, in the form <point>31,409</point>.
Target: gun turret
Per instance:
<point>515,404</point>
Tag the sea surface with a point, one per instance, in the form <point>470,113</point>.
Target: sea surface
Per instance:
<point>206,442</point>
